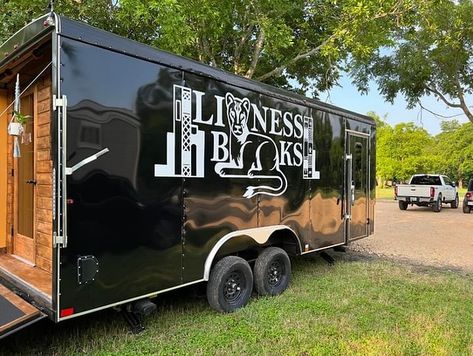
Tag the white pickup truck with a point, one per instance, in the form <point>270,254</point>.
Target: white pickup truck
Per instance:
<point>427,190</point>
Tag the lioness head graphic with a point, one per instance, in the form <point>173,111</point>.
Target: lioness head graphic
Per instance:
<point>238,111</point>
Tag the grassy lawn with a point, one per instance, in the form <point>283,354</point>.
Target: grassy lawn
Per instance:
<point>353,307</point>
<point>384,193</point>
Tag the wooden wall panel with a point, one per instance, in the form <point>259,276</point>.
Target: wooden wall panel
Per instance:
<point>44,177</point>
<point>10,184</point>
<point>3,170</point>
<point>43,191</point>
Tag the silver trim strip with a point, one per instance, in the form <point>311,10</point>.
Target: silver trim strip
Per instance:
<point>259,234</point>
<point>63,170</point>
<point>128,300</point>
<point>322,248</point>
<point>57,86</point>
<point>357,133</point>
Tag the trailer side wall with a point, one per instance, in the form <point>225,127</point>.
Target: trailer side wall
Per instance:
<point>190,160</point>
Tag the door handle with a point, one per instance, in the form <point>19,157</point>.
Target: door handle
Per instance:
<point>70,170</point>
<point>352,192</point>
<point>31,181</point>
<point>349,186</point>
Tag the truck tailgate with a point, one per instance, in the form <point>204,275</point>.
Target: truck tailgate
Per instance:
<point>413,190</point>
<point>15,313</point>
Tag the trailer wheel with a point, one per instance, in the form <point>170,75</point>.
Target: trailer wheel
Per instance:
<point>272,271</point>
<point>438,204</point>
<point>230,284</point>
<point>454,203</point>
<point>402,205</point>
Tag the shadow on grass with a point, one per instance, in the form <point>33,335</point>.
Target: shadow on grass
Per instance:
<point>339,303</point>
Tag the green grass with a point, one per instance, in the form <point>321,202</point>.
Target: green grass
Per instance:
<point>384,193</point>
<point>354,307</point>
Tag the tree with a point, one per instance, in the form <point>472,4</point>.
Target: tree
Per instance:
<point>294,44</point>
<point>430,55</point>
<point>401,151</point>
<point>101,13</point>
<point>385,164</point>
<point>454,150</point>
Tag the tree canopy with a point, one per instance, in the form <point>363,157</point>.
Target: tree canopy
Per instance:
<point>432,54</point>
<point>294,44</point>
<point>406,149</point>
<point>453,150</point>
<point>401,151</point>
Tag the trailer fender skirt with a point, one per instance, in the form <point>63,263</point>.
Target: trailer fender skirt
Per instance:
<point>15,313</point>
<point>260,235</point>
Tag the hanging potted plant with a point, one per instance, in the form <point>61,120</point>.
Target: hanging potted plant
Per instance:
<point>15,128</point>
<point>20,118</point>
<point>18,124</point>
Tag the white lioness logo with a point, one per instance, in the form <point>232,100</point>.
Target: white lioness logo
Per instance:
<point>252,155</point>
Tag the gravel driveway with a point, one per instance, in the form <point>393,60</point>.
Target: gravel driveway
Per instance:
<point>421,236</point>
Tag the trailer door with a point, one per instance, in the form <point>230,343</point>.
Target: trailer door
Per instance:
<point>357,185</point>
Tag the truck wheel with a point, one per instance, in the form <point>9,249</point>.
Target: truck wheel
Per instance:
<point>454,204</point>
<point>272,271</point>
<point>438,204</point>
<point>466,209</point>
<point>402,205</point>
<point>230,284</point>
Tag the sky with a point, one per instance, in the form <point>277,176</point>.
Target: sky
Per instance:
<point>346,96</point>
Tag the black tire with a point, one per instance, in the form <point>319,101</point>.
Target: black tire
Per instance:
<point>466,209</point>
<point>230,284</point>
<point>402,205</point>
<point>272,271</point>
<point>454,203</point>
<point>438,204</point>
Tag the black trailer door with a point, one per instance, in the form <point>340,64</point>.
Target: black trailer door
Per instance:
<point>15,313</point>
<point>357,185</point>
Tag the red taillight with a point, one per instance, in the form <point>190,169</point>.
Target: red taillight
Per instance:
<point>432,192</point>
<point>468,195</point>
<point>66,312</point>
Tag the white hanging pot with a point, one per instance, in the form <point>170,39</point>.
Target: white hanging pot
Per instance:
<point>15,129</point>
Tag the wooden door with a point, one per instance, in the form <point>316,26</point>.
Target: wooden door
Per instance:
<point>24,180</point>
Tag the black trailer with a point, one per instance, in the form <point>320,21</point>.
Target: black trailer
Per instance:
<point>140,172</point>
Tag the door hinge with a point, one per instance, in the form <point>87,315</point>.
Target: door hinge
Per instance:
<point>59,102</point>
<point>59,240</point>
<point>12,172</point>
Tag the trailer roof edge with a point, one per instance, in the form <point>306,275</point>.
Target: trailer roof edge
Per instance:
<point>23,39</point>
<point>101,38</point>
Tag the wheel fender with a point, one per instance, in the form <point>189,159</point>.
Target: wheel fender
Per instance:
<point>260,235</point>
